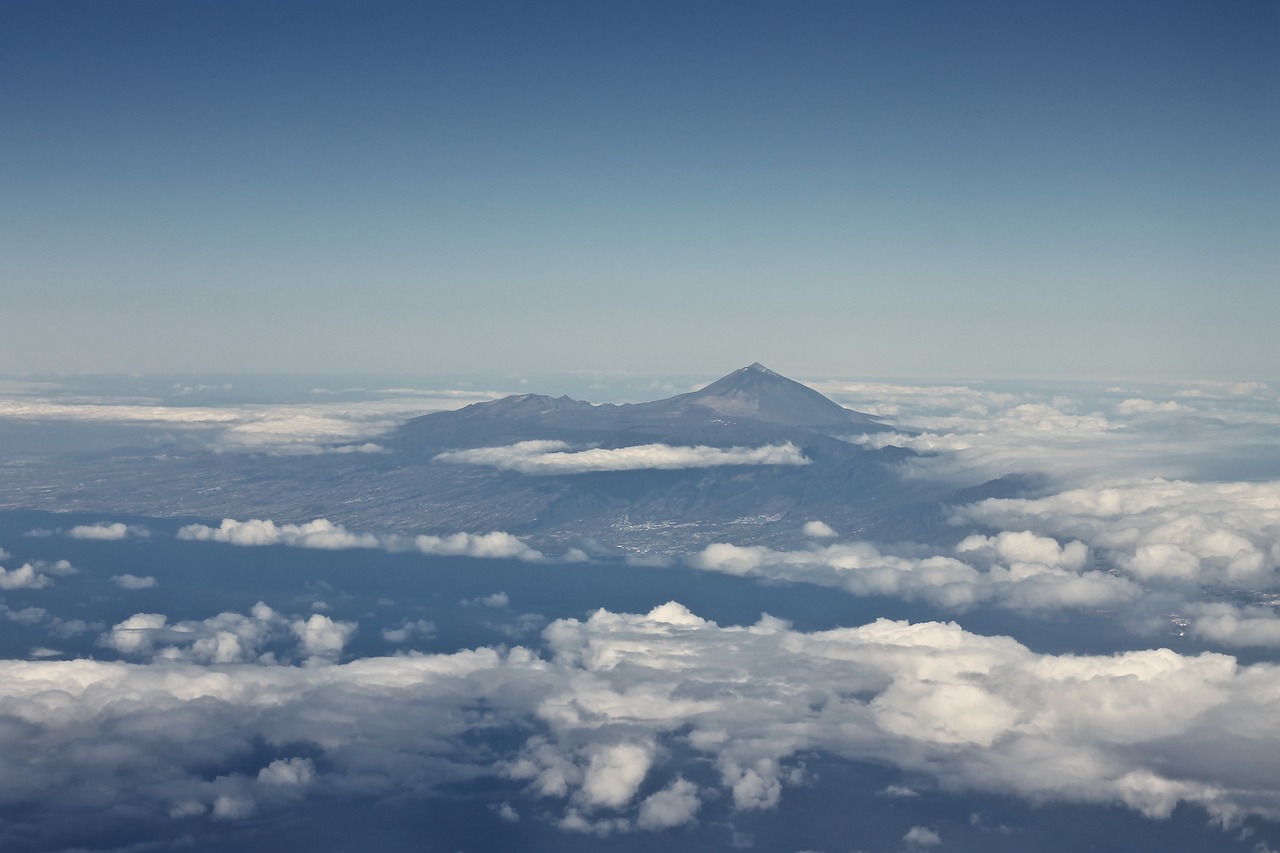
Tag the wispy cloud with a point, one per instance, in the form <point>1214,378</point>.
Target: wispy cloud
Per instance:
<point>134,581</point>
<point>554,457</point>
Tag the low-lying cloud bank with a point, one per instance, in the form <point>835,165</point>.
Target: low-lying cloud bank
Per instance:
<point>285,428</point>
<point>324,534</point>
<point>1209,550</point>
<point>1018,571</point>
<point>1203,556</point>
<point>108,531</point>
<point>1158,530</point>
<point>554,457</point>
<point>611,708</point>
<point>1075,433</point>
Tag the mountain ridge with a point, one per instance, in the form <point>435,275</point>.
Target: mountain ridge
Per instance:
<point>751,405</point>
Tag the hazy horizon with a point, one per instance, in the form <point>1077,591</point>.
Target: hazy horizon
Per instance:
<point>988,189</point>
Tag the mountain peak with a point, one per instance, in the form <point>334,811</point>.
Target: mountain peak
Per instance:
<point>757,393</point>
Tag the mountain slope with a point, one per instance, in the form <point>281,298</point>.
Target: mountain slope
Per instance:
<point>757,393</point>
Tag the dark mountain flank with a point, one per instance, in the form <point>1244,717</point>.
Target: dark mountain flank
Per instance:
<point>857,490</point>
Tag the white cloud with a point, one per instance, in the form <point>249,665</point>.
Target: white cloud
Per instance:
<point>1139,406</point>
<point>1019,570</point>
<point>497,600</point>
<point>24,577</point>
<point>899,791</point>
<point>1161,531</point>
<point>621,692</point>
<point>53,624</point>
<point>134,581</point>
<point>321,638</point>
<point>496,544</point>
<point>320,533</point>
<point>614,773</point>
<point>233,808</point>
<point>292,771</point>
<point>342,427</point>
<point>107,531</point>
<point>921,836</point>
<point>409,630</point>
<point>675,805</point>
<point>819,530</point>
<point>554,457</point>
<point>228,637</point>
<point>324,534</point>
<point>1232,625</point>
<point>1077,437</point>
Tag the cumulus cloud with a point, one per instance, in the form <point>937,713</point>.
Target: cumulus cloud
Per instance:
<point>1016,570</point>
<point>819,530</point>
<point>1159,553</point>
<point>496,544</point>
<point>233,808</point>
<point>107,531</point>
<point>409,630</point>
<point>1233,625</point>
<point>324,534</point>
<point>320,533</point>
<point>322,638</point>
<point>497,600</point>
<point>40,616</point>
<point>974,711</point>
<point>228,637</point>
<point>291,771</point>
<point>921,836</point>
<point>615,696</point>
<point>1159,530</point>
<point>34,575</point>
<point>899,791</point>
<point>24,577</point>
<point>134,581</point>
<point>614,773</point>
<point>675,805</point>
<point>554,457</point>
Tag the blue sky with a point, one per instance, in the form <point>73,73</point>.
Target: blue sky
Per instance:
<point>917,189</point>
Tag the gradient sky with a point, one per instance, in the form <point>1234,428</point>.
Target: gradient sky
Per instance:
<point>918,189</point>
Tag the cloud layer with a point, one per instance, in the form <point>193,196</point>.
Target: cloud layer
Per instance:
<point>615,699</point>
